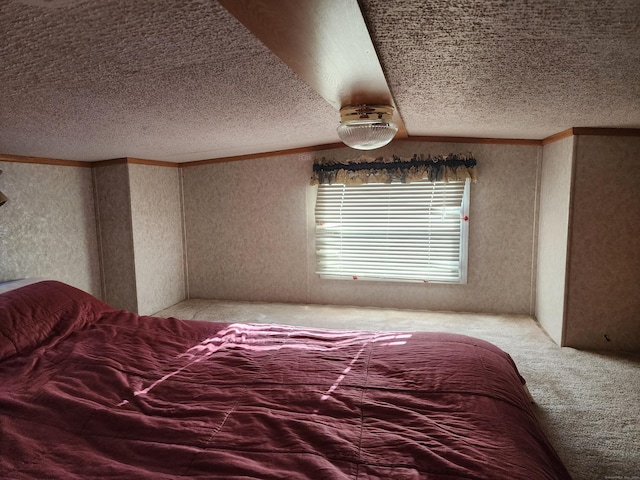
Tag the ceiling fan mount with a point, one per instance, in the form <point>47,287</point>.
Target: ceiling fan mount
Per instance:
<point>366,111</point>
<point>366,127</point>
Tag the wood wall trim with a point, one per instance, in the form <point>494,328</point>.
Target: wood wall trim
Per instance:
<point>558,136</point>
<point>252,156</point>
<point>107,163</point>
<point>621,132</point>
<point>136,161</point>
<point>44,161</point>
<point>330,146</point>
<point>607,132</point>
<point>78,163</point>
<point>479,140</point>
<point>153,163</point>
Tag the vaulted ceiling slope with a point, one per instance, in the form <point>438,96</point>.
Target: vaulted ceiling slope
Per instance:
<point>184,80</point>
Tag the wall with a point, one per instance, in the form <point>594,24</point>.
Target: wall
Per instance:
<point>553,234</point>
<point>115,235</point>
<point>249,233</point>
<point>246,229</point>
<point>156,211</point>
<point>141,235</point>
<point>48,226</point>
<point>603,305</point>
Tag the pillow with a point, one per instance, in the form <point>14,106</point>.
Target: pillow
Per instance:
<point>43,313</point>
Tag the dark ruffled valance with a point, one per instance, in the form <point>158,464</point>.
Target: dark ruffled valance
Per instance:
<point>385,170</point>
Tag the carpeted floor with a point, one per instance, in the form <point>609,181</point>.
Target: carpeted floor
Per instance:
<point>588,402</point>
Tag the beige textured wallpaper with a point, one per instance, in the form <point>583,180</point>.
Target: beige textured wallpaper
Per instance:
<point>553,234</point>
<point>501,240</point>
<point>554,231</point>
<point>156,216</point>
<point>604,270</point>
<point>249,231</point>
<point>141,236</point>
<point>48,227</point>
<point>113,204</point>
<point>246,229</point>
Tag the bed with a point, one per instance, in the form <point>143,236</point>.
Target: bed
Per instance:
<point>88,391</point>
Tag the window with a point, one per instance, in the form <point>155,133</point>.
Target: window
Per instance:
<point>396,232</point>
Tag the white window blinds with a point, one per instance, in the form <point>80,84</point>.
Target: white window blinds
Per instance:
<point>400,231</point>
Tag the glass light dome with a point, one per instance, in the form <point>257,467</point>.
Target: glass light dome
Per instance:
<point>366,127</point>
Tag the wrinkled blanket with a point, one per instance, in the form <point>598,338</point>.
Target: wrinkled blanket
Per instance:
<point>87,391</point>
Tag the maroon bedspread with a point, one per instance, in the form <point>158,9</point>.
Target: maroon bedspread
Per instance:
<point>90,392</point>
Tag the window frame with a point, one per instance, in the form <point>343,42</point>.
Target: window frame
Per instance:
<point>462,246</point>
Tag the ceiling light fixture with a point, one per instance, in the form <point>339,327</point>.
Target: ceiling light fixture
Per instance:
<point>365,127</point>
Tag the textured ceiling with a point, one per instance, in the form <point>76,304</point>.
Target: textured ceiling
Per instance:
<point>510,68</point>
<point>183,80</point>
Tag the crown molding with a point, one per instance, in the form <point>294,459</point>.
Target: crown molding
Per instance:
<point>479,140</point>
<point>44,161</point>
<point>574,131</point>
<point>607,132</point>
<point>134,161</point>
